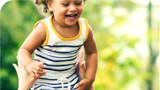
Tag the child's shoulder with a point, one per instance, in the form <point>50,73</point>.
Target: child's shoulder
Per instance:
<point>42,21</point>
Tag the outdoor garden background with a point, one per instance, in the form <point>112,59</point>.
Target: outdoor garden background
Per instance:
<point>126,34</point>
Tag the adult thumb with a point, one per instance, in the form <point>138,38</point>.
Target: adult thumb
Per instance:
<point>81,53</point>
<point>16,67</point>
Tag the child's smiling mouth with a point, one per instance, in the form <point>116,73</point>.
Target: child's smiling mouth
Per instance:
<point>71,16</point>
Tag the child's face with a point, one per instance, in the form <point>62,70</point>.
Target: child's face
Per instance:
<point>67,12</point>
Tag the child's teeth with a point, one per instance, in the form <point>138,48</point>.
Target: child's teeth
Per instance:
<point>70,16</point>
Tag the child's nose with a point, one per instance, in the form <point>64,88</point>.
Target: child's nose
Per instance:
<point>72,8</point>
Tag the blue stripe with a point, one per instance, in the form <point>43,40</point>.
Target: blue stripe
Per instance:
<point>62,52</point>
<point>75,78</point>
<point>57,69</point>
<point>59,65</point>
<point>65,45</point>
<point>56,79</point>
<point>55,60</point>
<point>56,56</point>
<point>46,86</point>
<point>53,88</point>
<point>39,83</point>
<point>48,79</point>
<point>71,75</point>
<point>72,88</point>
<point>56,87</point>
<point>51,83</point>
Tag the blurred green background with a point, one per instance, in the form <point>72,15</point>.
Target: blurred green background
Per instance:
<point>126,33</point>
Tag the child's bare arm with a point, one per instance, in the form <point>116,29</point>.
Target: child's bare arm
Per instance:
<point>34,40</point>
<point>91,57</point>
<point>82,68</point>
<point>91,62</point>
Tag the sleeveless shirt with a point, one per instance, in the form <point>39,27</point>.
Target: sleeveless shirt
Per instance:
<point>59,57</point>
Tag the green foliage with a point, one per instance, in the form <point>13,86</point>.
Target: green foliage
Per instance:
<point>121,66</point>
<point>16,24</point>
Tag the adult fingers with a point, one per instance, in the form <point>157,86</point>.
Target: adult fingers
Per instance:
<point>82,63</point>
<point>82,69</point>
<point>78,57</point>
<point>81,53</point>
<point>16,67</point>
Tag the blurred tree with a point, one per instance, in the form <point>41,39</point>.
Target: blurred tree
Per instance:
<point>17,20</point>
<point>153,52</point>
<point>121,67</point>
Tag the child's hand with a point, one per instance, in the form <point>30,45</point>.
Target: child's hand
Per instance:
<point>36,69</point>
<point>84,84</point>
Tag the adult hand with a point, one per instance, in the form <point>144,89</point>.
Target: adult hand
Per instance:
<point>81,64</point>
<point>24,78</point>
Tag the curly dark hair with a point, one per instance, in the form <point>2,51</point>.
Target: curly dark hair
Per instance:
<point>45,7</point>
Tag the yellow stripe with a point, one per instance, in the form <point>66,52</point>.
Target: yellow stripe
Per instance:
<point>47,34</point>
<point>66,39</point>
<point>36,24</point>
<point>87,29</point>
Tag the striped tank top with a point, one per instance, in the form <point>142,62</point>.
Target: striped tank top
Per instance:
<point>59,56</point>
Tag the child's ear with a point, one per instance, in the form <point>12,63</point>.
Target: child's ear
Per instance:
<point>49,4</point>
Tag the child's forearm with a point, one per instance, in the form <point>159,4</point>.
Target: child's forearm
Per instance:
<point>24,57</point>
<point>91,66</point>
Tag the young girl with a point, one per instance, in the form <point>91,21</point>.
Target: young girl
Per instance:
<point>56,41</point>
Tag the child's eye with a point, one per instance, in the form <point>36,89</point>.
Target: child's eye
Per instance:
<point>66,4</point>
<point>78,3</point>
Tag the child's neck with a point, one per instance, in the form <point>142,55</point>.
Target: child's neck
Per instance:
<point>66,31</point>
